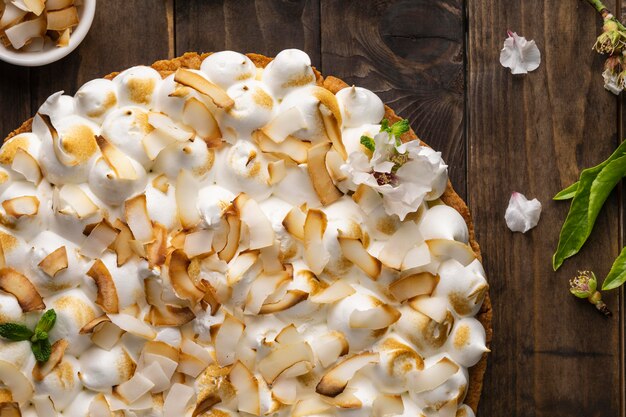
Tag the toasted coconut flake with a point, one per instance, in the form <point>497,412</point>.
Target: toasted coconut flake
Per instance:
<point>271,259</point>
<point>446,249</point>
<point>107,293</point>
<point>121,245</point>
<point>156,251</point>
<point>99,407</point>
<point>284,390</point>
<point>354,251</point>
<point>43,406</point>
<point>435,308</point>
<point>336,379</point>
<point>170,315</point>
<point>21,33</point>
<point>367,198</point>
<point>91,326</point>
<point>60,20</point>
<point>432,377</point>
<point>315,253</point>
<point>22,289</point>
<point>169,128</point>
<point>310,407</point>
<point>294,223</point>
<point>199,243</point>
<point>291,298</point>
<point>396,248</point>
<point>333,129</point>
<point>232,240</point>
<point>133,389</point>
<point>277,171</point>
<point>64,38</point>
<point>10,409</point>
<point>106,335</point>
<point>11,15</point>
<point>35,6</point>
<point>138,248</point>
<point>420,283</point>
<point>186,199</point>
<point>157,376</point>
<point>226,340</point>
<point>58,4</point>
<point>318,173</point>
<point>133,326</point>
<point>77,201</point>
<point>259,227</point>
<point>330,347</point>
<point>161,183</point>
<point>162,349</point>
<point>240,265</point>
<point>291,149</point>
<point>19,385</point>
<point>247,389</point>
<point>154,142</point>
<point>137,218</point>
<point>379,317</point>
<point>284,357</point>
<point>416,257</point>
<point>283,125</point>
<point>198,116</point>
<point>55,262</point>
<point>190,365</point>
<point>182,283</point>
<point>209,301</point>
<point>116,159</point>
<point>25,164</point>
<point>17,207</point>
<point>386,405</point>
<point>262,287</point>
<point>41,369</point>
<point>204,86</point>
<point>338,290</point>
<point>100,238</point>
<point>177,400</point>
<point>334,161</point>
<point>288,335</point>
<point>197,351</point>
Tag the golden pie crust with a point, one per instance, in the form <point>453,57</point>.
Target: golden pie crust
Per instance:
<point>193,60</point>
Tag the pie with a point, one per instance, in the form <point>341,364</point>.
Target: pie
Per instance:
<point>227,234</point>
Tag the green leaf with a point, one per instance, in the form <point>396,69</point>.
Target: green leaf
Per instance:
<point>594,187</point>
<point>617,274</point>
<point>400,127</point>
<point>368,143</point>
<point>41,349</point>
<point>384,126</point>
<point>46,322</point>
<point>15,332</point>
<point>567,193</point>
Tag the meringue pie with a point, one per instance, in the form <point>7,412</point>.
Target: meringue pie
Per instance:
<point>228,234</point>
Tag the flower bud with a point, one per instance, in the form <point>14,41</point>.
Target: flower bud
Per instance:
<point>609,25</point>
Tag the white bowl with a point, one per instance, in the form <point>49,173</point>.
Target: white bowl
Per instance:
<point>53,53</point>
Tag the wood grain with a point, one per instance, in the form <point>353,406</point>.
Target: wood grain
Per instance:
<point>15,96</point>
<point>553,355</point>
<point>123,34</point>
<point>264,27</point>
<point>410,52</point>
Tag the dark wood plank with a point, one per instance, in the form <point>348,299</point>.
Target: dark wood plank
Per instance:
<point>410,52</point>
<point>123,34</point>
<point>553,355</point>
<point>15,96</point>
<point>264,27</point>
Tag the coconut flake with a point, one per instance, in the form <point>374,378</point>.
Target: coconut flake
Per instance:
<point>396,248</point>
<point>247,389</point>
<point>354,251</point>
<point>98,240</point>
<point>60,20</point>
<point>320,177</point>
<point>283,125</point>
<point>25,164</point>
<point>284,357</point>
<point>277,171</point>
<point>116,159</point>
<point>17,207</point>
<point>177,400</point>
<point>432,377</point>
<point>332,125</point>
<point>182,283</point>
<point>259,227</point>
<point>336,379</point>
<point>522,214</point>
<point>22,289</point>
<point>379,317</point>
<point>11,15</point>
<point>315,253</point>
<point>330,347</point>
<point>133,325</point>
<point>294,222</point>
<point>420,283</point>
<point>55,262</point>
<point>290,299</point>
<point>262,287</point>
<point>21,33</point>
<point>198,116</point>
<point>168,127</point>
<point>232,240</point>
<point>107,297</point>
<point>338,290</point>
<point>227,339</point>
<point>41,369</point>
<point>133,389</point>
<point>203,86</point>
<point>186,199</point>
<point>291,149</point>
<point>138,219</point>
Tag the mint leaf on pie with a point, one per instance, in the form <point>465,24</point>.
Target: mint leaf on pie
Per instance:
<point>15,332</point>
<point>368,143</point>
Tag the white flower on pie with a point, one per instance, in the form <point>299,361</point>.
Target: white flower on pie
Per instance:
<point>522,214</point>
<point>611,81</point>
<point>404,174</point>
<point>520,55</point>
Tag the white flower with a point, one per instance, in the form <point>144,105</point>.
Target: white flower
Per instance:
<point>610,82</point>
<point>521,214</point>
<point>404,189</point>
<point>520,55</point>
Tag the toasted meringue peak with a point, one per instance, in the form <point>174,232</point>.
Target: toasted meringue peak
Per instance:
<point>359,106</point>
<point>137,86</point>
<point>290,70</point>
<point>95,99</point>
<point>226,68</point>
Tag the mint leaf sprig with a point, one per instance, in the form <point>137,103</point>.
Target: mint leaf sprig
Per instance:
<point>395,130</point>
<point>38,338</point>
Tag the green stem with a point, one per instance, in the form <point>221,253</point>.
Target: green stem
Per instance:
<point>604,11</point>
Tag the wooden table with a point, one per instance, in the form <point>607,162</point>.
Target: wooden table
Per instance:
<point>436,63</point>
